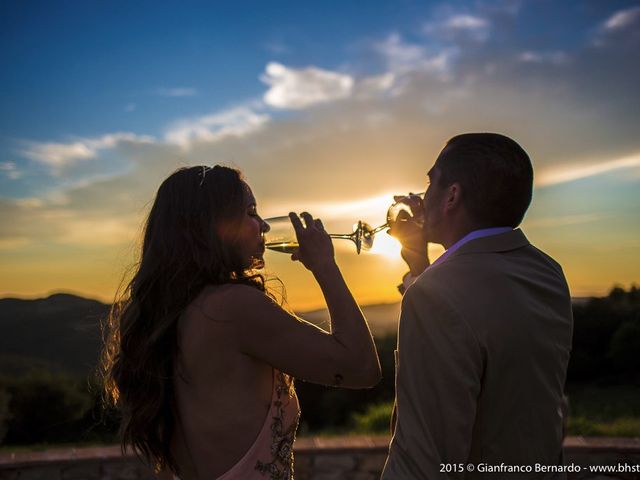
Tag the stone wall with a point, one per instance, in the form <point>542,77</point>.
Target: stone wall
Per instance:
<point>344,458</point>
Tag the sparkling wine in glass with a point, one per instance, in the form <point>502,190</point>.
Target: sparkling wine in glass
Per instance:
<point>281,236</point>
<point>412,207</point>
<point>400,211</point>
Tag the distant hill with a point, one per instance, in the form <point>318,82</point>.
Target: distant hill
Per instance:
<point>382,318</point>
<point>62,331</point>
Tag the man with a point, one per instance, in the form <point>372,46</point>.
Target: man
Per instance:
<point>485,331</point>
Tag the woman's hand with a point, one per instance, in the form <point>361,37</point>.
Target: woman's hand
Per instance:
<point>316,250</point>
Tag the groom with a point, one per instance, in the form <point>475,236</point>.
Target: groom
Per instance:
<point>485,331</point>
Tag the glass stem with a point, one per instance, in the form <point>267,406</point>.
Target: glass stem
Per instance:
<point>345,236</point>
<point>379,229</point>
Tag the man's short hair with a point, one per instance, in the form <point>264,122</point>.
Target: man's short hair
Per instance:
<point>495,174</point>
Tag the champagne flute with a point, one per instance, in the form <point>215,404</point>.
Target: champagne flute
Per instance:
<point>282,237</point>
<point>405,205</point>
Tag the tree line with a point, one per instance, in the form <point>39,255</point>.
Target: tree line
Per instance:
<point>47,407</point>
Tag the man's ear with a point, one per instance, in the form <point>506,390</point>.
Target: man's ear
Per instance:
<point>453,196</point>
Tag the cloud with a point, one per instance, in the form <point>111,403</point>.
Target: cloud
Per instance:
<point>620,29</point>
<point>97,231</point>
<point>276,48</point>
<point>402,57</point>
<point>466,22</point>
<point>32,202</point>
<point>40,222</point>
<point>62,154</point>
<point>235,122</point>
<point>569,173</point>
<point>368,87</point>
<point>371,209</point>
<point>564,220</point>
<point>10,170</point>
<point>302,88</point>
<point>555,57</point>
<point>460,27</point>
<point>14,243</point>
<point>622,20</point>
<point>59,154</point>
<point>177,92</point>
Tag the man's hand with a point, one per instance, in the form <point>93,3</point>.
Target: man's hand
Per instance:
<point>411,236</point>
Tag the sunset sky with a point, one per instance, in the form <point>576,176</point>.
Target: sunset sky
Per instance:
<point>330,107</point>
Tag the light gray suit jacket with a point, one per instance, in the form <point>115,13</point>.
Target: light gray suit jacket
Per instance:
<point>483,346</point>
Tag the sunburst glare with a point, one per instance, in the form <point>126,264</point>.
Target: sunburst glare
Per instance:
<point>386,245</point>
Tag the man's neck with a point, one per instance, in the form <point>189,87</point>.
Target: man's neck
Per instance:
<point>457,234</point>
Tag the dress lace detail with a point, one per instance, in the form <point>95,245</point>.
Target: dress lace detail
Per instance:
<point>281,465</point>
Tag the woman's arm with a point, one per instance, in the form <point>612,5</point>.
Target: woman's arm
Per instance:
<point>345,356</point>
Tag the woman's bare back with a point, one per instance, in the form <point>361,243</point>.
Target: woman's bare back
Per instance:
<point>222,395</point>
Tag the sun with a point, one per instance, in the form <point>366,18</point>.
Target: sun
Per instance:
<point>386,245</point>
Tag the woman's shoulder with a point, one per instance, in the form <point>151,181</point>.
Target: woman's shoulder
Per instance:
<point>228,291</point>
<point>230,300</point>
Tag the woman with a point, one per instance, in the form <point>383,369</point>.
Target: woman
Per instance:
<point>200,358</point>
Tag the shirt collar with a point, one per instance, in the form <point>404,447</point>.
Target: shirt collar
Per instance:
<point>482,232</point>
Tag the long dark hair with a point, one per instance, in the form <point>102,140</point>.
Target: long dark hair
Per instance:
<point>182,251</point>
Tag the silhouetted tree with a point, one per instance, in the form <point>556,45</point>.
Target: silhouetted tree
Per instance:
<point>4,413</point>
<point>624,348</point>
<point>605,338</point>
<point>43,407</point>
